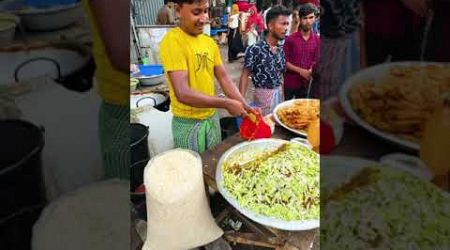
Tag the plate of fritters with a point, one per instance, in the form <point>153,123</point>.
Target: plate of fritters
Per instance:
<point>394,100</point>
<point>296,115</point>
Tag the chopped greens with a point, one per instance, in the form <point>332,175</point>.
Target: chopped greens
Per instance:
<point>282,183</point>
<point>382,208</point>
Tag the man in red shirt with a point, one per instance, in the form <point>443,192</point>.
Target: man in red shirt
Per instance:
<point>302,53</point>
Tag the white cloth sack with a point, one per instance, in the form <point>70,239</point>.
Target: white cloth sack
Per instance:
<point>178,212</point>
<point>95,217</point>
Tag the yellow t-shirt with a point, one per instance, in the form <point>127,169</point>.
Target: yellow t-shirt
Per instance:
<point>197,55</point>
<point>112,84</point>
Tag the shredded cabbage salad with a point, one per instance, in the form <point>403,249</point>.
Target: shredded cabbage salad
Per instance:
<point>385,209</point>
<point>282,184</point>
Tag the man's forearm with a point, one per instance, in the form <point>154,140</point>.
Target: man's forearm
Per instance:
<point>243,82</point>
<point>233,92</point>
<point>190,97</point>
<point>296,69</point>
<point>199,100</point>
<point>228,87</point>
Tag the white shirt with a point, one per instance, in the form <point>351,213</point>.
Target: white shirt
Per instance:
<point>290,24</point>
<point>265,14</point>
<point>234,21</point>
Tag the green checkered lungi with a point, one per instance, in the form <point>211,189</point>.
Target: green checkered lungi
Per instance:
<point>196,135</point>
<point>114,130</point>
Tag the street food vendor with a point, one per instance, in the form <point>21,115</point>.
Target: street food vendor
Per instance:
<point>191,60</point>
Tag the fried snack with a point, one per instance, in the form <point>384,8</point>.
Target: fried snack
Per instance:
<point>301,114</point>
<point>401,102</point>
<point>313,134</point>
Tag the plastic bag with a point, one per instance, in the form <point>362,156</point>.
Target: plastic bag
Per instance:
<point>254,128</point>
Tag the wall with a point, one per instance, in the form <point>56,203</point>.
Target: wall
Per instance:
<point>145,11</point>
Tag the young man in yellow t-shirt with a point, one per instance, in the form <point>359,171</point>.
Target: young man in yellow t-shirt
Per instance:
<point>112,57</point>
<point>191,60</point>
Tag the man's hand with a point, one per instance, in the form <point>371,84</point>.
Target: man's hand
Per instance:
<point>235,108</point>
<point>243,81</point>
<point>309,73</point>
<point>252,110</point>
<point>306,73</point>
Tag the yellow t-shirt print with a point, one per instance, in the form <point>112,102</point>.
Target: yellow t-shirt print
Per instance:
<point>196,55</point>
<point>202,61</point>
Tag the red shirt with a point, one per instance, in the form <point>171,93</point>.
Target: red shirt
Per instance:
<point>244,6</point>
<point>301,53</point>
<point>391,19</point>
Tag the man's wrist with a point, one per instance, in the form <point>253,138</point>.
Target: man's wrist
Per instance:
<point>247,107</point>
<point>223,103</point>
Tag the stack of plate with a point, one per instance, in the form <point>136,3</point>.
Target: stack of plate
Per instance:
<point>8,24</point>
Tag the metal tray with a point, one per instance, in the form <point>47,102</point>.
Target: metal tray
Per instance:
<point>375,72</point>
<point>264,220</point>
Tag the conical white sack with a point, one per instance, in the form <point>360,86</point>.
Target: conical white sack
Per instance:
<point>178,213</point>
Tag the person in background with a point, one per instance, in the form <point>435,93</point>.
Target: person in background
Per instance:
<point>112,58</point>
<point>316,3</point>
<point>302,54</point>
<point>395,34</point>
<point>234,35</point>
<point>165,14</point>
<point>265,63</point>
<point>294,23</point>
<point>340,23</point>
<point>191,60</point>
<point>254,26</point>
<point>316,25</point>
<point>436,49</point>
<point>272,4</point>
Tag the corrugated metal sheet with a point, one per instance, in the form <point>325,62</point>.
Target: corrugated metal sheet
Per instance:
<point>133,52</point>
<point>145,11</point>
<point>150,37</point>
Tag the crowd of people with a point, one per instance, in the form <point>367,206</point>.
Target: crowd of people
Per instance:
<point>253,25</point>
<point>285,57</point>
<point>281,52</point>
